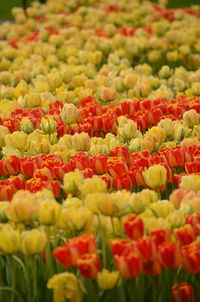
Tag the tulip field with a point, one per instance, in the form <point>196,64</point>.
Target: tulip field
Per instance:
<point>100,152</point>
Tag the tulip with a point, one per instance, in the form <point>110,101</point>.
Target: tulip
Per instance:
<point>72,181</point>
<point>89,265</point>
<point>183,292</point>
<point>69,114</point>
<point>155,176</point>
<point>190,255</point>
<point>147,248</point>
<point>81,141</point>
<point>129,265</point>
<point>48,124</point>
<point>66,286</point>
<point>160,235</point>
<point>9,239</point>
<point>49,212</point>
<point>170,255</point>
<point>107,280</point>
<point>134,227</point>
<point>185,234</point>
<point>33,242</point>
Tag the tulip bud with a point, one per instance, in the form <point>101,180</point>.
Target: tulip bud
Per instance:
<point>155,176</point>
<point>89,265</point>
<point>48,124</point>
<point>72,181</point>
<point>49,212</point>
<point>81,141</point>
<point>93,185</point>
<point>33,242</point>
<point>3,132</point>
<point>55,80</point>
<point>69,114</point>
<point>183,292</point>
<point>75,220</point>
<point>108,280</point>
<point>26,125</point>
<point>107,94</point>
<point>191,118</point>
<point>23,207</point>
<point>9,239</point>
<point>134,227</point>
<point>165,72</point>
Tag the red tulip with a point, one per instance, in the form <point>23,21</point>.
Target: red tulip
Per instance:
<point>89,265</point>
<point>129,265</point>
<point>191,256</point>
<point>147,248</point>
<point>134,227</point>
<point>183,292</point>
<point>185,234</point>
<point>160,235</point>
<point>170,255</point>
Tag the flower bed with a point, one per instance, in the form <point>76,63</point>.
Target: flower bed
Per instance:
<point>100,153</point>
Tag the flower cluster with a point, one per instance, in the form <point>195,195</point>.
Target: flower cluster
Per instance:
<point>100,152</point>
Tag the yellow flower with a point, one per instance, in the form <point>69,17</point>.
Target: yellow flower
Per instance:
<point>9,239</point>
<point>128,131</point>
<point>33,242</point>
<point>108,280</point>
<point>49,212</point>
<point>81,141</point>
<point>30,100</point>
<point>191,118</point>
<point>75,219</point>
<point>21,89</point>
<point>3,132</point>
<point>54,79</point>
<point>195,205</point>
<point>162,208</point>
<point>69,114</point>
<point>3,211</point>
<point>93,185</point>
<point>176,219</point>
<point>190,182</point>
<point>48,124</point>
<point>66,286</point>
<point>73,202</point>
<point>167,125</point>
<point>23,207</point>
<point>17,140</point>
<point>72,181</point>
<point>155,176</point>
<point>26,125</point>
<point>148,143</point>
<point>112,204</point>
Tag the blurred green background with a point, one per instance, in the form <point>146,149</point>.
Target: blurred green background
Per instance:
<point>6,5</point>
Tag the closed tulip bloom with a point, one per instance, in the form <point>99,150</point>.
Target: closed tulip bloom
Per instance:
<point>75,219</point>
<point>26,125</point>
<point>9,239</point>
<point>69,114</point>
<point>191,118</point>
<point>72,181</point>
<point>183,292</point>
<point>89,265</point>
<point>170,254</point>
<point>155,176</point>
<point>185,234</point>
<point>23,207</point>
<point>129,265</point>
<point>160,235</point>
<point>191,256</point>
<point>49,212</point>
<point>48,124</point>
<point>81,141</point>
<point>33,242</point>
<point>190,182</point>
<point>147,248</point>
<point>108,280</point>
<point>134,227</point>
<point>93,185</point>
